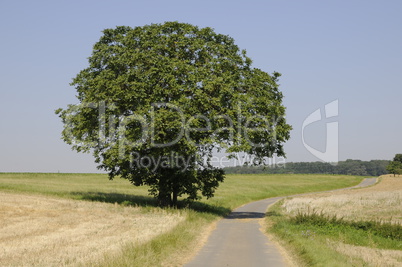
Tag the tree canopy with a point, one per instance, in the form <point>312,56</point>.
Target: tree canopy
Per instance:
<point>155,101</point>
<point>398,158</point>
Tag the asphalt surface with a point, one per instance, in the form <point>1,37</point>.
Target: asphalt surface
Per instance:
<point>239,241</point>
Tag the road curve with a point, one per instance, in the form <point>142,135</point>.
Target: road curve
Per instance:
<point>239,241</point>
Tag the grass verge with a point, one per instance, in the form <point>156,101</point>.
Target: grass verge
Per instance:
<point>389,231</point>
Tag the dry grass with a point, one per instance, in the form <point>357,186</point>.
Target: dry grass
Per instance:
<point>380,202</point>
<point>46,231</point>
<point>371,256</point>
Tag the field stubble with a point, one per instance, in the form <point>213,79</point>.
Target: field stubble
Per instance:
<point>381,202</point>
<point>40,230</point>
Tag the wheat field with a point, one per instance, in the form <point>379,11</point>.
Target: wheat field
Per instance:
<point>382,201</point>
<point>47,231</point>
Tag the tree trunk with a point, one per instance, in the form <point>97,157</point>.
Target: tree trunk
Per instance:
<point>174,200</point>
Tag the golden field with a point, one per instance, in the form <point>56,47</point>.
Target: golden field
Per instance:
<point>382,201</point>
<point>47,231</point>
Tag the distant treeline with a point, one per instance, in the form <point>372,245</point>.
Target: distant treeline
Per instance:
<point>348,167</point>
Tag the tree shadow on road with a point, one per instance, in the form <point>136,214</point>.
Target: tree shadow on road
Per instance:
<point>245,215</point>
<point>203,207</point>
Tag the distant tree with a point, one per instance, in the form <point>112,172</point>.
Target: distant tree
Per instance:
<point>394,167</point>
<point>156,100</point>
<point>348,167</point>
<point>376,167</point>
<point>398,158</point>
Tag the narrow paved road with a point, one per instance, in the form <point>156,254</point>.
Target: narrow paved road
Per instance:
<point>239,241</point>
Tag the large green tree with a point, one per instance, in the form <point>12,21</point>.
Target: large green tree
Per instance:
<point>155,101</point>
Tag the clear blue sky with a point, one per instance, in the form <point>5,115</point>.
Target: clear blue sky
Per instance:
<point>350,51</point>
